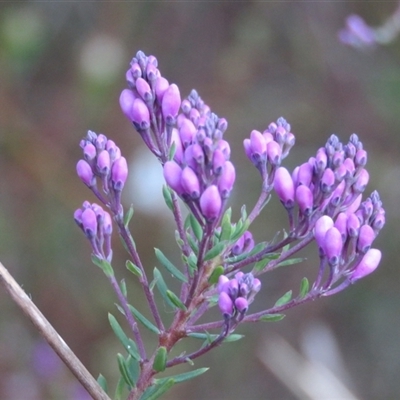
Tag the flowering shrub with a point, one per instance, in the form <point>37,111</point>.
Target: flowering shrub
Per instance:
<point>220,262</point>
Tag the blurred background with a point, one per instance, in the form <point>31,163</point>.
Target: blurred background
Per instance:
<point>62,67</point>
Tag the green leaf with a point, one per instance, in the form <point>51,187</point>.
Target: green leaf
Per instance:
<point>260,265</point>
<point>142,319</point>
<point>103,264</point>
<point>123,369</point>
<point>211,337</point>
<point>128,216</point>
<point>133,268</point>
<point>304,286</point>
<point>178,239</point>
<point>196,227</point>
<point>160,359</point>
<point>271,317</point>
<point>215,251</point>
<point>284,299</point>
<point>119,389</point>
<point>169,266</point>
<point>233,337</point>
<point>226,225</point>
<point>191,262</point>
<point>162,287</point>
<point>154,392</point>
<point>185,376</point>
<point>243,212</point>
<point>133,368</point>
<point>172,150</point>
<point>167,197</point>
<point>193,244</point>
<point>176,300</point>
<point>291,261</point>
<point>122,285</point>
<point>241,227</point>
<point>218,271</point>
<point>129,344</point>
<point>102,382</point>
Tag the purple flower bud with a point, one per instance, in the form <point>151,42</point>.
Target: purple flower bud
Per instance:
<point>257,144</point>
<point>362,181</point>
<point>337,159</point>
<point>222,124</point>
<point>280,135</point>
<point>194,116</point>
<point>144,90</point>
<point>222,283</point>
<point>218,162</point>
<point>223,145</point>
<point>361,158</point>
<point>248,244</point>
<point>256,285</point>
<point>367,265</point>
<point>357,33</point>
<point>100,142</point>
<point>126,100</point>
<point>353,207</point>
<point>225,304</point>
<point>227,179</point>
<point>321,160</point>
<point>238,247</point>
<point>322,225</point>
<point>244,289</point>
<point>247,148</point>
<point>113,150</point>
<point>119,173</point>
<point>186,106</point>
<point>274,153</point>
<point>186,132</point>
<point>333,245</point>
<point>78,217</point>
<point>284,187</point>
<point>172,175</point>
<point>89,152</point>
<point>241,304</point>
<point>304,199</point>
<point>190,183</point>
<point>107,224</point>
<point>232,288</point>
<point>349,164</point>
<point>239,275</point>
<point>341,225</point>
<point>136,70</point>
<point>161,86</point>
<point>211,203</point>
<point>103,162</point>
<point>353,225</point>
<point>365,238</point>
<point>304,175</point>
<point>85,173</point>
<point>341,172</point>
<point>379,221</point>
<point>171,102</point>
<point>89,223</point>
<point>268,137</point>
<point>327,181</point>
<point>140,114</point>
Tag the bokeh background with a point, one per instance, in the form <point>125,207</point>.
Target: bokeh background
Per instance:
<point>62,67</point>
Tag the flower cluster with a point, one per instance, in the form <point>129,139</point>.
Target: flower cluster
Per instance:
<point>236,294</point>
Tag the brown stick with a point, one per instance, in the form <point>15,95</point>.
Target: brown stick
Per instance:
<point>51,335</point>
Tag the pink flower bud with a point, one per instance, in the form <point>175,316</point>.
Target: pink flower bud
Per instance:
<point>85,173</point>
<point>222,282</point>
<point>274,153</point>
<point>89,151</point>
<point>225,304</point>
<point>353,207</point>
<point>284,187</point>
<point>304,175</point>
<point>367,265</point>
<point>211,203</point>
<point>218,162</point>
<point>190,183</point>
<point>140,114</point>
<point>187,131</point>
<point>227,179</point>
<point>257,143</point>
<point>322,225</point>
<point>341,225</point>
<point>144,90</point>
<point>172,175</point>
<point>333,245</point>
<point>362,181</point>
<point>304,199</point>
<point>161,86</point>
<point>89,223</point>
<point>241,304</point>
<point>171,102</point>
<point>126,100</point>
<point>353,225</point>
<point>107,224</point>
<point>327,181</point>
<point>361,158</point>
<point>365,238</point>
<point>103,162</point>
<point>119,173</point>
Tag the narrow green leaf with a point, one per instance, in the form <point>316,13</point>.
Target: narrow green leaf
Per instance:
<point>241,228</point>
<point>162,287</point>
<point>193,244</point>
<point>192,264</point>
<point>215,251</point>
<point>133,268</point>
<point>284,299</point>
<point>143,320</point>
<point>211,337</point>
<point>103,264</point>
<point>196,227</point>
<point>123,369</point>
<point>102,382</point>
<point>233,337</point>
<point>304,286</point>
<point>291,261</point>
<point>133,368</point>
<point>172,150</point>
<point>260,265</point>
<point>218,271</point>
<point>167,197</point>
<point>122,285</point>
<point>169,266</point>
<point>271,317</point>
<point>156,391</point>
<point>176,300</point>
<point>185,376</point>
<point>243,212</point>
<point>160,359</point>
<point>120,388</point>
<point>226,225</point>
<point>128,216</point>
<point>178,239</point>
<point>129,344</point>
